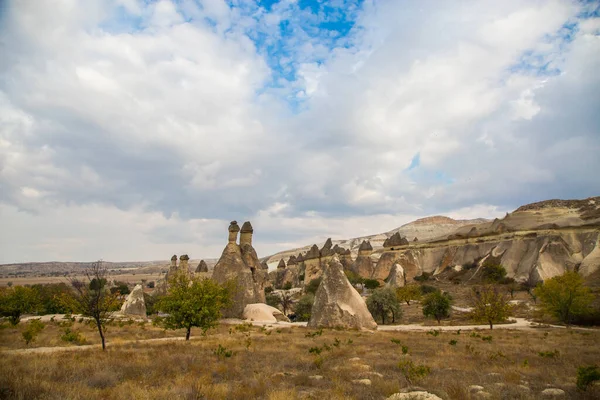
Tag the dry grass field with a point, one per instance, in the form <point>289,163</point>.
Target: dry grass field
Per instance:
<point>130,278</point>
<point>279,364</point>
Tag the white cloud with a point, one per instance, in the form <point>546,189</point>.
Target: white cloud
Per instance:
<point>161,121</point>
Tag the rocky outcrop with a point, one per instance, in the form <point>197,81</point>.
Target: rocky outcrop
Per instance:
<point>202,267</point>
<point>337,303</point>
<point>312,265</point>
<point>363,265</point>
<point>384,265</point>
<point>292,261</point>
<point>240,264</point>
<point>135,304</point>
<point>263,313</point>
<point>396,277</point>
<point>183,263</point>
<point>396,240</point>
<point>327,249</point>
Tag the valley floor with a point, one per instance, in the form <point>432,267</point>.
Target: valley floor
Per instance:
<point>289,362</point>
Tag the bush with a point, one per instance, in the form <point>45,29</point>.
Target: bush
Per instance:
<point>412,371</point>
<point>272,300</point>
<point>371,284</point>
<point>34,327</point>
<point>268,289</point>
<point>287,286</point>
<point>120,288</point>
<point>304,307</point>
<point>150,301</point>
<point>423,277</point>
<point>587,375</point>
<point>73,336</point>
<point>470,265</point>
<point>151,285</point>
<point>426,289</point>
<point>492,271</point>
<point>437,305</point>
<point>313,285</point>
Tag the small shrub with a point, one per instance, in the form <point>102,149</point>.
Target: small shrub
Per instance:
<point>151,285</point>
<point>287,286</point>
<point>412,371</point>
<point>304,307</point>
<point>371,283</point>
<point>268,289</point>
<point>433,333</point>
<point>314,334</point>
<point>222,352</point>
<point>426,289</point>
<point>34,327</point>
<point>453,342</point>
<point>73,336</point>
<point>313,286</point>
<point>486,338</point>
<point>423,277</point>
<point>587,375</point>
<point>549,354</point>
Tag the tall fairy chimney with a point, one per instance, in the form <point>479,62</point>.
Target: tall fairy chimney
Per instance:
<point>183,262</point>
<point>246,235</point>
<point>174,261</point>
<point>233,231</point>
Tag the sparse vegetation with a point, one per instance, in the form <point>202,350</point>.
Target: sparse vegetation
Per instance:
<point>312,286</point>
<point>587,375</point>
<point>304,307</point>
<point>423,277</point>
<point>34,327</point>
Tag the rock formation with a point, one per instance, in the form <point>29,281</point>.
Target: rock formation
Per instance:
<point>363,265</point>
<point>396,240</point>
<point>239,263</point>
<point>202,267</point>
<point>337,303</point>
<point>312,264</point>
<point>281,264</point>
<point>263,313</point>
<point>183,263</point>
<point>264,265</point>
<point>396,277</point>
<point>292,261</point>
<point>135,305</point>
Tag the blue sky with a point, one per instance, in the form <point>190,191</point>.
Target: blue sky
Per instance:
<point>137,129</point>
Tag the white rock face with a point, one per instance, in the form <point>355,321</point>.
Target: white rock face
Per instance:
<point>396,277</point>
<point>134,304</point>
<point>420,395</point>
<point>338,304</point>
<point>263,313</point>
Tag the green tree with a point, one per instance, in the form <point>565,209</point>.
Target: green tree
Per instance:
<point>120,288</point>
<point>437,305</point>
<point>371,283</point>
<point>565,296</point>
<point>304,307</point>
<point>16,301</point>
<point>408,293</point>
<point>92,298</point>
<point>489,305</point>
<point>492,271</point>
<point>34,327</point>
<point>192,302</point>
<point>383,303</point>
<point>354,278</point>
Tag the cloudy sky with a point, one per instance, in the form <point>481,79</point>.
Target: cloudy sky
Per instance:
<point>132,130</point>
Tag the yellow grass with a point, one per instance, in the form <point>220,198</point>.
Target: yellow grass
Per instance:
<point>278,365</point>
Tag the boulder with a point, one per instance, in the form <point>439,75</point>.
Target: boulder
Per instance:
<point>337,303</point>
<point>134,304</point>
<point>202,267</point>
<point>263,313</point>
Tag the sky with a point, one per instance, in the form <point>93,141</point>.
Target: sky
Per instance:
<point>134,130</point>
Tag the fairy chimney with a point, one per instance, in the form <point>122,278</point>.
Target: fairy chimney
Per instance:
<point>174,261</point>
<point>183,262</point>
<point>365,249</point>
<point>202,267</point>
<point>246,234</point>
<point>281,264</point>
<point>233,231</point>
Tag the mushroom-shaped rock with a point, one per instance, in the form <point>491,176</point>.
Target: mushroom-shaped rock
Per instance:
<point>247,227</point>
<point>202,267</point>
<point>396,277</point>
<point>246,234</point>
<point>174,258</point>
<point>233,231</point>
<point>263,313</point>
<point>135,304</point>
<point>281,264</point>
<point>337,303</point>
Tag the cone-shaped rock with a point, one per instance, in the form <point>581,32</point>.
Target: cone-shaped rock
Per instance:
<point>338,304</point>
<point>135,304</point>
<point>264,265</point>
<point>202,267</point>
<point>396,277</point>
<point>395,240</point>
<point>327,249</point>
<point>281,264</point>
<point>292,261</point>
